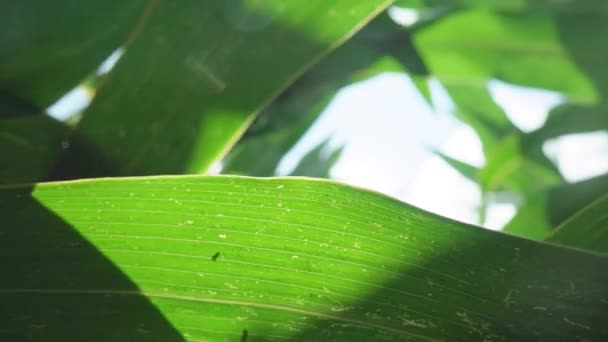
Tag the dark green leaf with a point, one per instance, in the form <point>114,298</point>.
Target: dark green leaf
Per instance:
<point>49,47</point>
<point>587,229</point>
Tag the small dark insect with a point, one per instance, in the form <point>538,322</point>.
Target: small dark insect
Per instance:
<point>244,336</point>
<point>215,256</point>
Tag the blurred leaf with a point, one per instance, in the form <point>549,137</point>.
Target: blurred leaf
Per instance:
<point>531,220</point>
<point>390,39</point>
<point>590,53</point>
<point>29,148</point>
<point>504,161</point>
<point>587,229</point>
<point>514,6</point>
<point>567,199</point>
<point>544,210</point>
<point>285,122</point>
<point>296,259</point>
<point>318,161</point>
<point>509,169</point>
<point>215,65</point>
<point>377,48</point>
<point>468,171</point>
<point>477,45</point>
<point>49,47</point>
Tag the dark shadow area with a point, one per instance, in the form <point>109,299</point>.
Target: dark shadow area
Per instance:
<point>15,107</point>
<point>49,47</point>
<point>83,160</point>
<point>481,289</point>
<point>29,147</point>
<point>57,287</point>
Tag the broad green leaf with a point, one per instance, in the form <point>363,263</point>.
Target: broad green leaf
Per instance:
<point>223,258</point>
<point>587,229</point>
<point>195,73</point>
<point>49,47</point>
<point>29,148</point>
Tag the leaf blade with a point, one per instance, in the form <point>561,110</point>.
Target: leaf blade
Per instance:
<point>360,262</point>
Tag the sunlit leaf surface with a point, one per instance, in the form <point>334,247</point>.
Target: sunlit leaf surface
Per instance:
<point>219,258</point>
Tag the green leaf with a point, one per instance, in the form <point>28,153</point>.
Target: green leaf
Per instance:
<point>589,54</point>
<point>49,47</point>
<point>467,170</point>
<point>476,45</point>
<point>544,210</point>
<point>510,6</point>
<point>195,74</point>
<point>567,199</point>
<point>218,258</point>
<point>29,148</point>
<point>587,229</point>
<point>531,220</point>
<point>508,168</point>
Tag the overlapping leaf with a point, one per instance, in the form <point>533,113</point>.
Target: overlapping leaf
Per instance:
<point>194,74</point>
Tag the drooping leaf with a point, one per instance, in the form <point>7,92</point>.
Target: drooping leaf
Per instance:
<point>225,257</point>
<point>196,73</point>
